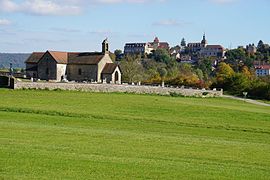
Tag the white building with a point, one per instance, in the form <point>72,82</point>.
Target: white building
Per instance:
<point>213,51</point>
<point>138,48</point>
<point>262,70</point>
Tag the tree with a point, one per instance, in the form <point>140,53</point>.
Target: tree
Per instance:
<point>261,46</point>
<point>223,75</point>
<point>205,65</point>
<point>132,69</point>
<point>163,73</point>
<point>118,54</point>
<point>236,58</point>
<point>183,42</point>
<point>162,55</point>
<point>246,72</point>
<point>238,84</point>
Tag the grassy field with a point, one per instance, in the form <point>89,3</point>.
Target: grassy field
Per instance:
<point>78,135</point>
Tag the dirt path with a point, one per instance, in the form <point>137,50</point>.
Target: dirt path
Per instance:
<point>247,100</point>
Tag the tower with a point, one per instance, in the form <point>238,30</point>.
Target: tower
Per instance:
<point>105,46</point>
<point>204,41</point>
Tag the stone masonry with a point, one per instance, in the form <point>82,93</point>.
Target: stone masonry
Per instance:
<point>118,88</point>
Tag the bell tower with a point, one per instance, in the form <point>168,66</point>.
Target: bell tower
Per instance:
<point>204,41</point>
<point>105,46</point>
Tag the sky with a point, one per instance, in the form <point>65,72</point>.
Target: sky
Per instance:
<point>82,25</point>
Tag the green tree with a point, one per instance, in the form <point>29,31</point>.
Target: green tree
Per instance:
<point>183,42</point>
<point>118,54</point>
<point>205,65</point>
<point>236,58</point>
<point>163,73</point>
<point>238,84</point>
<point>162,55</point>
<point>261,46</point>
<point>132,69</point>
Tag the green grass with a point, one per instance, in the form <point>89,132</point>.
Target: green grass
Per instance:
<point>79,135</point>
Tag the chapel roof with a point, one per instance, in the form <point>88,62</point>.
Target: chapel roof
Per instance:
<point>109,68</point>
<point>85,58</point>
<point>34,57</point>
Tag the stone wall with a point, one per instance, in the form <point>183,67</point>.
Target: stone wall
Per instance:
<point>88,72</point>
<point>118,88</point>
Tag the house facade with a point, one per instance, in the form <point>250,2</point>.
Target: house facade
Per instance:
<point>74,66</point>
<point>145,48</point>
<point>138,48</point>
<point>203,49</point>
<point>262,70</point>
<point>213,51</point>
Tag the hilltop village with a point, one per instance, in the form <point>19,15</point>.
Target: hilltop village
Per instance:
<point>190,64</point>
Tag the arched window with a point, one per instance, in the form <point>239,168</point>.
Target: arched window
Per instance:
<point>80,71</point>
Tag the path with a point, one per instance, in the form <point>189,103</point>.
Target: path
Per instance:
<point>247,100</point>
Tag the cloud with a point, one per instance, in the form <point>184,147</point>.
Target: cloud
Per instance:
<point>170,22</point>
<point>4,22</point>
<point>57,7</point>
<point>39,7</point>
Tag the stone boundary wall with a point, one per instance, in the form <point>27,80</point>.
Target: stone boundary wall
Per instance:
<point>118,88</point>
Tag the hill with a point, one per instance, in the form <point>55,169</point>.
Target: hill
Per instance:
<point>79,135</point>
<point>17,59</point>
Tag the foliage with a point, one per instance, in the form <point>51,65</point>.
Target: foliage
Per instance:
<point>162,55</point>
<point>223,74</point>
<point>132,69</point>
<point>183,42</point>
<point>118,54</point>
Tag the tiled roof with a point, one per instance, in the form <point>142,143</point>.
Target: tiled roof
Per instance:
<point>34,57</point>
<point>265,67</point>
<point>214,46</point>
<point>109,68</point>
<point>60,57</point>
<point>68,57</point>
<point>84,58</point>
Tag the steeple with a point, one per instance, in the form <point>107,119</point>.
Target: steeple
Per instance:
<point>105,46</point>
<point>204,41</point>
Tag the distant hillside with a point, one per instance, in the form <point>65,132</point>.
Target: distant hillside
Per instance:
<point>17,59</point>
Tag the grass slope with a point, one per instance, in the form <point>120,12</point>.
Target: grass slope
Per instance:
<point>77,135</point>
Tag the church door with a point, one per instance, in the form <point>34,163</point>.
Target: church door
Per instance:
<point>116,76</point>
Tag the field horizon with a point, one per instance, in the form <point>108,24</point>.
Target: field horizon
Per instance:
<point>83,135</point>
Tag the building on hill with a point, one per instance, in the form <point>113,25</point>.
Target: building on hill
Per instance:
<point>145,48</point>
<point>74,66</point>
<point>138,48</point>
<point>251,49</point>
<point>156,44</point>
<point>203,49</point>
<point>196,47</point>
<point>262,70</point>
<point>213,51</point>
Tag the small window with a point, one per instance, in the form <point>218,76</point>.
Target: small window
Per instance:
<point>80,72</point>
<point>47,71</point>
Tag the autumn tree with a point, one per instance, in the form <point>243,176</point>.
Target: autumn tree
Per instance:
<point>132,68</point>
